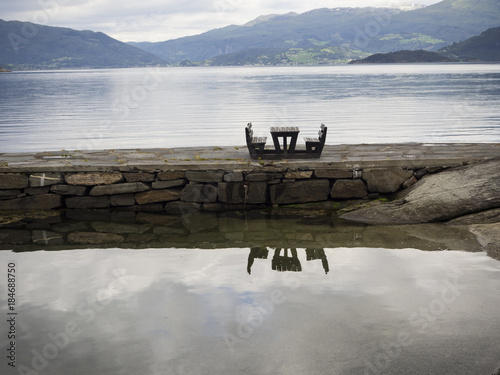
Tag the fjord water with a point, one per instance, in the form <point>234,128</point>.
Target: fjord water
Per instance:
<point>207,106</point>
<point>217,294</point>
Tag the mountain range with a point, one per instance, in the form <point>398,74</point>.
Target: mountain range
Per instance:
<point>33,46</point>
<point>338,34</point>
<point>321,36</point>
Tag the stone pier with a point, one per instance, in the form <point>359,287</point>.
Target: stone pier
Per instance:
<point>219,178</point>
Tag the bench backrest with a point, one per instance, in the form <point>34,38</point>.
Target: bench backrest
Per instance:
<point>322,133</point>
<point>249,133</point>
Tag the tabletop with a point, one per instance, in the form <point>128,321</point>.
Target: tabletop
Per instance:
<point>284,129</point>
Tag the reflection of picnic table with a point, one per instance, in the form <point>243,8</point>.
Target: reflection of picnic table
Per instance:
<point>284,133</point>
<point>285,262</point>
<point>287,148</point>
<point>313,254</point>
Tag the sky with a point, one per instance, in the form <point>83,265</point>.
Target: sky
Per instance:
<point>160,20</point>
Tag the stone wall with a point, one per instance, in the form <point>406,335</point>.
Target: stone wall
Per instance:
<point>181,191</point>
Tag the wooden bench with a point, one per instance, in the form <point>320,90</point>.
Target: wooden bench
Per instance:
<point>255,144</point>
<point>315,145</point>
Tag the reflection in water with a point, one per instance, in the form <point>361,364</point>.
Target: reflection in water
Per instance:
<point>313,254</point>
<point>143,230</point>
<point>183,303</point>
<point>282,263</point>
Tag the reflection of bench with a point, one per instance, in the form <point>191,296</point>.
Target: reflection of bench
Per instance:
<point>255,144</point>
<point>315,145</point>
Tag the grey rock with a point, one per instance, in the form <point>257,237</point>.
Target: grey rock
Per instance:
<point>36,202</point>
<point>205,176</point>
<point>126,188</point>
<point>155,196</point>
<point>45,179</point>
<point>263,176</point>
<point>42,237</point>
<point>243,193</point>
<point>233,177</point>
<point>300,192</point>
<point>169,184</point>
<point>348,189</point>
<point>171,175</point>
<point>298,174</point>
<point>68,190</point>
<point>9,194</point>
<point>440,197</point>
<point>95,238</point>
<point>14,236</point>
<point>488,236</point>
<point>483,217</point>
<point>333,173</point>
<point>120,228</point>
<point>87,202</point>
<point>139,177</point>
<point>13,181</point>
<point>182,208</point>
<point>90,179</point>
<point>200,193</point>
<point>122,200</point>
<point>37,190</point>
<point>409,183</point>
<point>385,180</point>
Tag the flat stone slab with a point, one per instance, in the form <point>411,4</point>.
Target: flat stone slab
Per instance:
<point>440,197</point>
<point>334,157</point>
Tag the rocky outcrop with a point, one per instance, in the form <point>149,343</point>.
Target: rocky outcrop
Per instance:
<point>488,235</point>
<point>440,197</point>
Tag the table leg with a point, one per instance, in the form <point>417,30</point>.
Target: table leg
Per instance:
<point>276,142</point>
<point>293,143</point>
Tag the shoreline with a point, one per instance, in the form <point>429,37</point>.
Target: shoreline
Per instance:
<point>187,182</point>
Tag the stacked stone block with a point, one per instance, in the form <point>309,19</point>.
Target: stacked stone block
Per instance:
<point>194,190</point>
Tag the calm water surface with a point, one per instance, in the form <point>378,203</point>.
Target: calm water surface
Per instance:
<point>173,107</point>
<point>218,294</point>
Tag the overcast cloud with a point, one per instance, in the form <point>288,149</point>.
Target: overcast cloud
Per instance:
<point>159,20</point>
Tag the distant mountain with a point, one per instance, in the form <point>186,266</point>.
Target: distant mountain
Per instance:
<point>485,47</point>
<point>419,56</point>
<point>356,30</point>
<point>25,45</point>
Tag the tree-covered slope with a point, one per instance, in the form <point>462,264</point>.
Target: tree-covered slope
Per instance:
<point>27,45</point>
<point>401,57</point>
<point>484,47</point>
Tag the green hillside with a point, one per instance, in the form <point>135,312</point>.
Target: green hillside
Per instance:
<point>400,57</point>
<point>485,47</point>
<point>30,46</point>
<point>358,30</point>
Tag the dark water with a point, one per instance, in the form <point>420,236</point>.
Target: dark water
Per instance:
<point>174,107</point>
<point>247,293</point>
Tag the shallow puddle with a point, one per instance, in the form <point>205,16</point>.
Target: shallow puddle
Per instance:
<point>126,293</point>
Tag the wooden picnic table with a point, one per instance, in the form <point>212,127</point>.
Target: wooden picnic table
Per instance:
<point>285,133</point>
